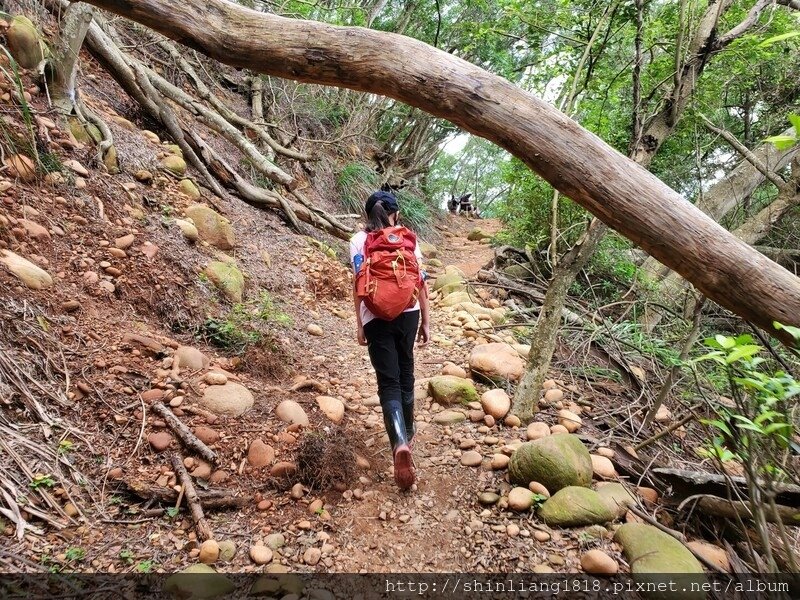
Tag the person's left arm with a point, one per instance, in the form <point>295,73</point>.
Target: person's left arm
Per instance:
<point>424,335</point>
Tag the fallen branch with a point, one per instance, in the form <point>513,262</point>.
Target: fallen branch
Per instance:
<point>189,439</point>
<point>690,417</point>
<point>203,530</point>
<point>733,509</point>
<point>165,495</point>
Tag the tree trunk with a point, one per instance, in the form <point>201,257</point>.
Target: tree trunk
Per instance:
<point>576,162</point>
<point>62,68</point>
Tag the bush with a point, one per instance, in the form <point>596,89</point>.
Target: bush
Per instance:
<point>355,182</point>
<point>416,213</point>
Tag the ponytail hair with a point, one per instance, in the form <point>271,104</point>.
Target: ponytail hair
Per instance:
<point>378,217</point>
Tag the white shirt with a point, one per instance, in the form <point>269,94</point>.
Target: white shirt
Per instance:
<point>357,247</point>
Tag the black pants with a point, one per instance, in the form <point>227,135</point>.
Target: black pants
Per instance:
<point>391,351</point>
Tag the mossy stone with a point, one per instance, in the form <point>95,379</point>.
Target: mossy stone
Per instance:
<point>227,278</point>
<point>449,389</point>
<point>575,506</point>
<point>555,461</point>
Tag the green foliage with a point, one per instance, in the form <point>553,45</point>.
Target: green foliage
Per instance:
<point>758,429</point>
<point>126,556</point>
<point>173,512</point>
<point>42,480</point>
<point>145,566</point>
<point>75,554</point>
<point>784,142</point>
<point>65,446</point>
<point>246,324</point>
<point>414,211</point>
<point>355,182</point>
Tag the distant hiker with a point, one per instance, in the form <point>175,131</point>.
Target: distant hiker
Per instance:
<point>465,206</point>
<point>452,204</point>
<point>391,304</point>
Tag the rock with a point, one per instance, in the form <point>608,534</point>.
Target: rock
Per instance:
<point>454,371</point>
<point>597,562</point>
<point>160,440</point>
<point>189,188</point>
<point>227,550</point>
<point>518,271</point>
<point>188,229</point>
<point>428,250</point>
<point>488,498</point>
<point>219,476</point>
<point>71,306</point>
<point>497,362</point>
<point>124,242</point>
<point>449,389</point>
<point>21,167</point>
<point>537,430</point>
<point>575,506</point>
<point>148,249</point>
<point>512,421</point>
<point>71,510</point>
<point>111,161</point>
<point>206,434</point>
<point>143,176</point>
<point>471,458</point>
<point>25,43</point>
<point>449,417</point>
<point>555,461</point>
<point>202,470</point>
<point>663,415</point>
<point>283,469</point>
<point>556,429</point>
<point>449,282</point>
<point>500,461</point>
<point>520,499</point>
<point>477,235</point>
<point>209,552</point>
<point>260,454</point>
<point>650,552</point>
<point>603,467</point>
<point>314,329</point>
<point>435,262</point>
<point>227,278</point>
<point>231,399</point>
<point>275,541</point>
<point>260,554</point>
<point>617,497</point>
<point>553,395</point>
<point>607,452</point>
<point>291,412</point>
<point>212,227</point>
<point>76,167</point>
<point>455,298</point>
<point>569,420</point>
<point>713,554</point>
<point>174,164</point>
<point>311,556</point>
<point>538,488</point>
<point>191,358</point>
<point>297,491</point>
<point>542,570</point>
<point>214,378</point>
<point>28,273</point>
<point>332,407</point>
<point>198,581</point>
<point>649,495</point>
<point>496,403</point>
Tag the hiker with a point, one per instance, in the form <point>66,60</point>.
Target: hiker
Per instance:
<point>465,206</point>
<point>391,312</point>
<point>452,204</point>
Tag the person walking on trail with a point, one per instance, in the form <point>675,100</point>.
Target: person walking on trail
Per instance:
<point>391,304</point>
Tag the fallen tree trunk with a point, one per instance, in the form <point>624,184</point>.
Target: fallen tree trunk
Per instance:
<point>576,162</point>
<point>733,509</point>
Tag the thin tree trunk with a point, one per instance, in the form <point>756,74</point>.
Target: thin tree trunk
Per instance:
<point>62,70</point>
<point>576,162</point>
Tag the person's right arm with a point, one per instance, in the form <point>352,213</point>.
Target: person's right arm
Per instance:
<point>362,340</point>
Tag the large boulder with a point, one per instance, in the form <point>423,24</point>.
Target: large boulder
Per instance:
<point>227,278</point>
<point>25,43</point>
<point>213,227</point>
<point>452,280</point>
<point>497,362</point>
<point>231,399</point>
<point>576,506</point>
<point>451,389</point>
<point>555,461</point>
<point>28,273</point>
<point>652,553</point>
<point>199,581</point>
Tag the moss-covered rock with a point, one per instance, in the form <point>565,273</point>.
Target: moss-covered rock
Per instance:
<point>25,43</point>
<point>617,497</point>
<point>449,389</point>
<point>85,133</point>
<point>518,271</point>
<point>228,279</point>
<point>111,161</point>
<point>575,506</point>
<point>652,553</point>
<point>556,461</point>
<point>189,188</point>
<point>174,149</point>
<point>198,581</point>
<point>213,227</point>
<point>174,164</point>
<point>452,280</point>
<point>477,235</point>
<point>428,250</point>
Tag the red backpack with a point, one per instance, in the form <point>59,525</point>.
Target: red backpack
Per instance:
<point>388,281</point>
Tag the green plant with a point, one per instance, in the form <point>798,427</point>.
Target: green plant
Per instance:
<point>75,554</point>
<point>126,556</point>
<point>65,446</point>
<point>756,429</point>
<point>414,211</point>
<point>173,511</point>
<point>784,142</point>
<point>268,312</point>
<point>42,480</point>
<point>355,182</point>
<point>243,326</point>
<point>145,566</point>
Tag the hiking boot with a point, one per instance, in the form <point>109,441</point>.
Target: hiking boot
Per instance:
<point>404,475</point>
